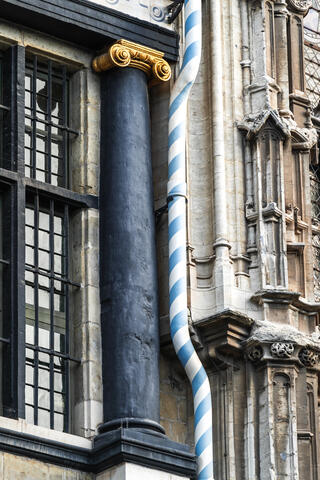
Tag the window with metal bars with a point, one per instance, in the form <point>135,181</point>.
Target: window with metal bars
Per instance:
<point>47,313</point>
<point>36,204</point>
<point>47,129</point>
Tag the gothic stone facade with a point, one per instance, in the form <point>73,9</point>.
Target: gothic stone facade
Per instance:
<point>252,256</point>
<point>253,235</point>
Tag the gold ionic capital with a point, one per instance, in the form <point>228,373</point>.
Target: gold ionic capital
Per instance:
<point>129,54</point>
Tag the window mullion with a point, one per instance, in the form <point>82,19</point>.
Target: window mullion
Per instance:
<point>9,381</point>
<point>65,134</point>
<point>18,327</point>
<point>18,332</point>
<point>49,127</point>
<point>51,242</point>
<point>66,303</point>
<point>36,308</point>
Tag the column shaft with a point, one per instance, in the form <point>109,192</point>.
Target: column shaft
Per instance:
<point>128,279</point>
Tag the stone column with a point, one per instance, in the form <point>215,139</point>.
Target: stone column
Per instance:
<point>281,14</point>
<point>128,276</point>
<point>130,432</point>
<point>277,365</point>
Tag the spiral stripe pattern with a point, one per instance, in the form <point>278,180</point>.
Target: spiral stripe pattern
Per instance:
<point>177,241</point>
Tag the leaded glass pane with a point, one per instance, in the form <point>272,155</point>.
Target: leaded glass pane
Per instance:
<point>315,193</point>
<point>312,52</point>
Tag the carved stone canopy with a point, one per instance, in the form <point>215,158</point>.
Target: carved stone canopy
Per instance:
<point>300,6</point>
<point>253,124</point>
<point>128,54</point>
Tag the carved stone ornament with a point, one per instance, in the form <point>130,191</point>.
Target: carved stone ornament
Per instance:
<point>282,349</point>
<point>308,357</point>
<point>300,5</point>
<point>255,354</point>
<point>128,54</point>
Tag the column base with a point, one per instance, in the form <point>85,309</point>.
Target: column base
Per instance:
<point>127,422</point>
<point>146,449</point>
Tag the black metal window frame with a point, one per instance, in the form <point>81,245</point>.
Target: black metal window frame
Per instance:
<point>51,121</point>
<point>48,357</point>
<point>15,187</point>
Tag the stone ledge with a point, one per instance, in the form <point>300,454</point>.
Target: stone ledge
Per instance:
<point>112,448</point>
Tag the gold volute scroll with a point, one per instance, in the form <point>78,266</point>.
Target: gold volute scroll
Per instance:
<point>129,54</point>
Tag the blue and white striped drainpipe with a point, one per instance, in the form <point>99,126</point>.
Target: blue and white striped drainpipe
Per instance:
<point>177,241</point>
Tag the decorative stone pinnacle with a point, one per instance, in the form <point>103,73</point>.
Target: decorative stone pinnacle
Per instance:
<point>128,54</point>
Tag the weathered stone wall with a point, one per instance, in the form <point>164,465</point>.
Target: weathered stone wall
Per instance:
<point>14,467</point>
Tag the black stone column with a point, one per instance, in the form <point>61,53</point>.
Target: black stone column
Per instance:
<point>128,277</point>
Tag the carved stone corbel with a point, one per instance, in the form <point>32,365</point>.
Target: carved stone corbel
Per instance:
<point>300,6</point>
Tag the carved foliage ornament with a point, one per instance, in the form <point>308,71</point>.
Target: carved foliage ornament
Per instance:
<point>128,54</point>
<point>255,354</point>
<point>308,357</point>
<point>300,5</point>
<point>282,350</point>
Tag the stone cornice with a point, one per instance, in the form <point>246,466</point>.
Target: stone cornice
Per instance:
<point>128,54</point>
<point>282,351</point>
<point>88,24</point>
<point>271,343</point>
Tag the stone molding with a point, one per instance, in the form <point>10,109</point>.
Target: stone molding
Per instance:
<point>128,54</point>
<point>224,333</point>
<point>266,352</point>
<point>110,449</point>
<point>303,138</point>
<point>89,24</point>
